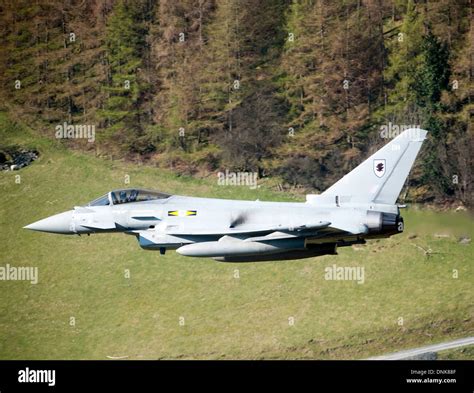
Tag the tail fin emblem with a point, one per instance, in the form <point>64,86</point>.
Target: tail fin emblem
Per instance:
<point>379,167</point>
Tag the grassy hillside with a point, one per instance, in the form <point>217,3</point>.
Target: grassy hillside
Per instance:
<point>457,354</point>
<point>224,317</point>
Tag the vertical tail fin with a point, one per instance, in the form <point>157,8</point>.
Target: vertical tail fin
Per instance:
<point>380,178</point>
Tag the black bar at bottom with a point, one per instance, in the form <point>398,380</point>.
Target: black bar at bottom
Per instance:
<point>125,375</point>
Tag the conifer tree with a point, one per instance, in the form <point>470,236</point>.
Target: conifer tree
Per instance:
<point>126,46</point>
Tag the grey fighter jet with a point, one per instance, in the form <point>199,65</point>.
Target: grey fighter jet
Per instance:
<point>360,206</point>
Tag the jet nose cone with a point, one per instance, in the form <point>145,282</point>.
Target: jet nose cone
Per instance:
<point>59,223</point>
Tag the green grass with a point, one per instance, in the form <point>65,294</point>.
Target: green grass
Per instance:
<point>225,317</point>
<point>465,353</point>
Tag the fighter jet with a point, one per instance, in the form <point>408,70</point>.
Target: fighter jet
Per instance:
<point>359,207</point>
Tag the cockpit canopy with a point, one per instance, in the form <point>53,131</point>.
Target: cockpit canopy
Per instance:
<point>127,195</point>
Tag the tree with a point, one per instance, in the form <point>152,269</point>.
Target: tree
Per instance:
<point>126,47</point>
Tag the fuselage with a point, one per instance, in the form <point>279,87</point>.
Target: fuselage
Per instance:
<point>221,228</point>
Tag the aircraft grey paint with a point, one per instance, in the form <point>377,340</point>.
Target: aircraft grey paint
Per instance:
<point>361,205</point>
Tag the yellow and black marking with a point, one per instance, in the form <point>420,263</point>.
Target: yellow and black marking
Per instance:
<point>182,213</point>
